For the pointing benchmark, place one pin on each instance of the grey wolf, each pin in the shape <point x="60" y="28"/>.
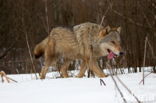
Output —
<point x="87" y="41"/>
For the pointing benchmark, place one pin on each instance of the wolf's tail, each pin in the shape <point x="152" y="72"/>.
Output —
<point x="40" y="48"/>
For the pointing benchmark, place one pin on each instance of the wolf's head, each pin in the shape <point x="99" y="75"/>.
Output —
<point x="110" y="42"/>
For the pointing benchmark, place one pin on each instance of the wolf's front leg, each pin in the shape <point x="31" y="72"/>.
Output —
<point x="95" y="68"/>
<point x="82" y="71"/>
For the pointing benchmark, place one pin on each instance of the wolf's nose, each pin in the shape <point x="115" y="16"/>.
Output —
<point x="121" y="53"/>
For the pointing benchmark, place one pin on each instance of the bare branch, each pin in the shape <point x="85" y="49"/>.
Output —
<point x="127" y="18"/>
<point x="47" y="18"/>
<point x="34" y="69"/>
<point x="109" y="67"/>
<point x="152" y="51"/>
<point x="102" y="82"/>
<point x="127" y="89"/>
<point x="147" y="20"/>
<point x="145" y="77"/>
<point x="116" y="85"/>
<point x="3" y="75"/>
<point x="7" y="50"/>
<point x="104" y="15"/>
<point x="29" y="50"/>
<point x="144" y="60"/>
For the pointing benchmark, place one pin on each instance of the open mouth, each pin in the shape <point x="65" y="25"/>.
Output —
<point x="111" y="55"/>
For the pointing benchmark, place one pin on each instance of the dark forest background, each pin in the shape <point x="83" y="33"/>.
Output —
<point x="24" y="23"/>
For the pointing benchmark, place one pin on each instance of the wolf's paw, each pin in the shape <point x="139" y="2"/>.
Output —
<point x="64" y="75"/>
<point x="79" y="76"/>
<point x="103" y="76"/>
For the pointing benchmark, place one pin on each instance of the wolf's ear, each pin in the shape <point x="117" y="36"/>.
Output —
<point x="119" y="29"/>
<point x="108" y="28"/>
<point x="102" y="33"/>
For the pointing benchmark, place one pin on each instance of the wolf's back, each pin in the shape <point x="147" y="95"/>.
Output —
<point x="63" y="40"/>
<point x="87" y="34"/>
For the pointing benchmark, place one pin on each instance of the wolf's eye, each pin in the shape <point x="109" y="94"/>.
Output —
<point x="113" y="42"/>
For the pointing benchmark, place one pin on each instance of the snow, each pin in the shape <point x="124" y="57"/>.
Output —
<point x="76" y="90"/>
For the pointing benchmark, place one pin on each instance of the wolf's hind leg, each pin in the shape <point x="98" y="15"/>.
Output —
<point x="45" y="68"/>
<point x="43" y="72"/>
<point x="49" y="59"/>
<point x="64" y="69"/>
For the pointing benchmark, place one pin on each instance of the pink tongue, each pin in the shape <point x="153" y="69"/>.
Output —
<point x="110" y="55"/>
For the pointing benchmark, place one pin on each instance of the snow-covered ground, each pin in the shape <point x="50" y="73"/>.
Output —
<point x="76" y="90"/>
